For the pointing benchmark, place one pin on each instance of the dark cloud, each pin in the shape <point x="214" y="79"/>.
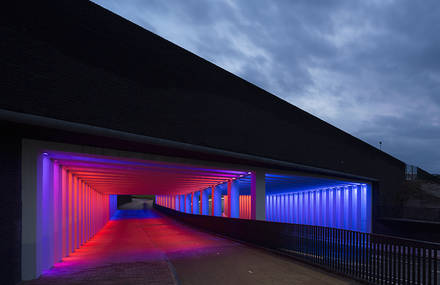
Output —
<point x="371" y="68"/>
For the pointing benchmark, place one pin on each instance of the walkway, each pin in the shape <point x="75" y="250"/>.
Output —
<point x="144" y="247"/>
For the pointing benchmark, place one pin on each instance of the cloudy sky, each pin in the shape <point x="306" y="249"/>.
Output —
<point x="371" y="68"/>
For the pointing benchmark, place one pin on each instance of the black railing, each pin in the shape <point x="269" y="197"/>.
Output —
<point x="373" y="258"/>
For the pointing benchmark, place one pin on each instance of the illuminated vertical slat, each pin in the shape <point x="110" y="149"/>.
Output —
<point x="63" y="212"/>
<point x="70" y="213"/>
<point x="241" y="207"/>
<point x="341" y="199"/>
<point x="349" y="214"/>
<point x="58" y="199"/>
<point x="324" y="212"/>
<point x="245" y="206"/>
<point x="78" y="213"/>
<point x="290" y="209"/>
<point x="277" y="208"/>
<point x="345" y="207"/>
<point x="226" y="203"/>
<point x="295" y="208"/>
<point x="90" y="213"/>
<point x="247" y="203"/>
<point x="333" y="208"/>
<point x="355" y="208"/>
<point x="44" y="230"/>
<point x="81" y="206"/>
<point x="282" y="207"/>
<point x="84" y="207"/>
<point x="272" y="208"/>
<point x="89" y="195"/>
<point x="95" y="211"/>
<point x="358" y="208"/>
<point x="312" y="208"/>
<point x="318" y="202"/>
<point x="86" y="212"/>
<point x="249" y="206"/>
<point x="75" y="213"/>
<point x="305" y="208"/>
<point x="80" y="218"/>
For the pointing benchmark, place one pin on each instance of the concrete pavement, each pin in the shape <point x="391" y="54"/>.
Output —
<point x="145" y="247"/>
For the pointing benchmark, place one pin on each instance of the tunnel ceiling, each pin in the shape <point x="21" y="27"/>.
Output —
<point x="111" y="175"/>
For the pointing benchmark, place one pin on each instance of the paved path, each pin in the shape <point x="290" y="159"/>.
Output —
<point x="145" y="247"/>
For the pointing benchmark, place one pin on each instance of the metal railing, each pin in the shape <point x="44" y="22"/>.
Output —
<point x="372" y="258"/>
<point x="377" y="259"/>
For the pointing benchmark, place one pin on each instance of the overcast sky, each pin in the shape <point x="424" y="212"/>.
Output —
<point x="371" y="68"/>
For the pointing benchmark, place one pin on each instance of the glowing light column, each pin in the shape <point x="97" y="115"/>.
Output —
<point x="204" y="202"/>
<point x="217" y="201"/>
<point x="195" y="202"/>
<point x="188" y="203"/>
<point x="233" y="199"/>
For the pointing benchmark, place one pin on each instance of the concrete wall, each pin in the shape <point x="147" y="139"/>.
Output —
<point x="10" y="210"/>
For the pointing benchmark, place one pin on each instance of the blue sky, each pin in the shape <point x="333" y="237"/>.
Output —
<point x="370" y="68"/>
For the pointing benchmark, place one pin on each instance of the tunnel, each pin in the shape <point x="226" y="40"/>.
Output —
<point x="307" y="200"/>
<point x="76" y="191"/>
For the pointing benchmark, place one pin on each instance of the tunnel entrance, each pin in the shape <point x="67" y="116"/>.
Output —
<point x="69" y="195"/>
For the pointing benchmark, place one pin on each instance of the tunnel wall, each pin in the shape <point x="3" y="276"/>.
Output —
<point x="244" y="206"/>
<point x="10" y="210"/>
<point x="342" y="207"/>
<point x="69" y="212"/>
